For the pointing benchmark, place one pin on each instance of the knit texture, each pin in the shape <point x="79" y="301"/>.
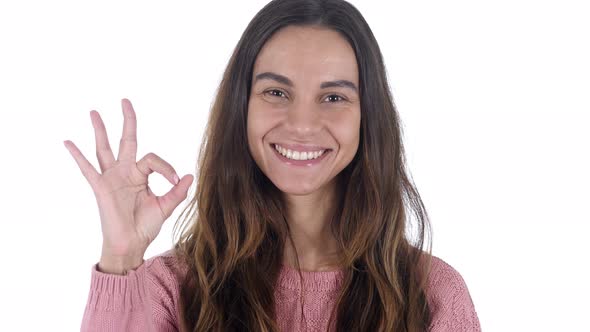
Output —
<point x="147" y="299"/>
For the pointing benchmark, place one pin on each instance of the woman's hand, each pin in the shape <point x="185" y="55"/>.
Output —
<point x="131" y="215"/>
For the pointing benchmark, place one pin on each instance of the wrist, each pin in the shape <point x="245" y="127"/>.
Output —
<point x="119" y="264"/>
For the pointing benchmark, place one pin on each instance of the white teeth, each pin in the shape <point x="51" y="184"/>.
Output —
<point x="296" y="155"/>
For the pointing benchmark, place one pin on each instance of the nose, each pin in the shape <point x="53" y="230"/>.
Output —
<point x="303" y="118"/>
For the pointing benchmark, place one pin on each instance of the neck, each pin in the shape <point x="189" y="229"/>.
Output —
<point x="309" y="218"/>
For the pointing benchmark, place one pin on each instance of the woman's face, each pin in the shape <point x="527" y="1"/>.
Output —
<point x="304" y="100"/>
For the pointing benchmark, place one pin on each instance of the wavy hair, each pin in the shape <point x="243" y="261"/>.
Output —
<point x="234" y="229"/>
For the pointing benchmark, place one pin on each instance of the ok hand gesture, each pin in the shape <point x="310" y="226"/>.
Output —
<point x="131" y="215"/>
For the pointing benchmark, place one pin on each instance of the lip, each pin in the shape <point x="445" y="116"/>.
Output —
<point x="308" y="163"/>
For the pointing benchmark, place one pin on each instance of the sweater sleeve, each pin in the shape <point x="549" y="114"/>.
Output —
<point x="145" y="299"/>
<point x="450" y="302"/>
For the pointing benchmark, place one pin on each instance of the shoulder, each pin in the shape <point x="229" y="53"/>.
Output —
<point x="166" y="265"/>
<point x="444" y="280"/>
<point x="163" y="276"/>
<point x="450" y="303"/>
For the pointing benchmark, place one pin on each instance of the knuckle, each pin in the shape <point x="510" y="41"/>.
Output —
<point x="150" y="156"/>
<point x="128" y="140"/>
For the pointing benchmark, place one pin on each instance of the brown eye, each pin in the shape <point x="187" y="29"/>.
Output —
<point x="334" y="98"/>
<point x="275" y="93"/>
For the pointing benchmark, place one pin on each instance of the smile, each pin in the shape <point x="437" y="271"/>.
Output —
<point x="298" y="155"/>
<point x="305" y="158"/>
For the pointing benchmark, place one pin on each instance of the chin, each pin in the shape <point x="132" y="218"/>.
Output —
<point x="296" y="188"/>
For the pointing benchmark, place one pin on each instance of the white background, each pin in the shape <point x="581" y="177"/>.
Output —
<point x="494" y="98"/>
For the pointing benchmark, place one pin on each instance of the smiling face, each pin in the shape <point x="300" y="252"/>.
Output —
<point x="304" y="101"/>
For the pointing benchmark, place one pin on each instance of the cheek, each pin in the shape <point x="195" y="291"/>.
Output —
<point x="255" y="124"/>
<point x="262" y="117"/>
<point x="347" y="130"/>
<point x="257" y="128"/>
<point x="251" y="131"/>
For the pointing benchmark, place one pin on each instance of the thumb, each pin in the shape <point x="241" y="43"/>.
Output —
<point x="174" y="196"/>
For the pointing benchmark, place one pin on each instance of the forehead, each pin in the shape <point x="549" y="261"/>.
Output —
<point x="300" y="52"/>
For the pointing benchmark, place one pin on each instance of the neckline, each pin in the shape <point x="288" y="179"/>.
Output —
<point x="290" y="269"/>
<point x="318" y="281"/>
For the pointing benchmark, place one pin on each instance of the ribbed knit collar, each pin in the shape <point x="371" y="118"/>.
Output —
<point x="322" y="281"/>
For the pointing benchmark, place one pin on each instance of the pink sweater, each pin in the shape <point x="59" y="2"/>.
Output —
<point x="146" y="299"/>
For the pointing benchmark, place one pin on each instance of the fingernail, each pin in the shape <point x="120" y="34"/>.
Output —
<point x="176" y="179"/>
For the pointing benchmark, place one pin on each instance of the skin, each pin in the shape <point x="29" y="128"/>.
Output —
<point x="305" y="113"/>
<point x="131" y="215"/>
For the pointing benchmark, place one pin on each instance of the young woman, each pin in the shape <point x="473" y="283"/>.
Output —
<point x="301" y="214"/>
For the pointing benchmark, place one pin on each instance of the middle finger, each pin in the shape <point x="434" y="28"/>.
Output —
<point x="103" y="149"/>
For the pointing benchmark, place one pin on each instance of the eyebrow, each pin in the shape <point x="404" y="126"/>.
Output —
<point x="285" y="80"/>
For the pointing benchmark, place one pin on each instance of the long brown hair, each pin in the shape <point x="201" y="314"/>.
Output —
<point x="234" y="229"/>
